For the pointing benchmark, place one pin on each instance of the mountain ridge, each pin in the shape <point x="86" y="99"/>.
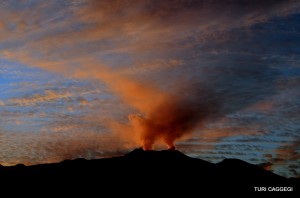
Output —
<point x="166" y="168"/>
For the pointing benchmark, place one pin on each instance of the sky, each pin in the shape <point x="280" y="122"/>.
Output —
<point x="97" y="78"/>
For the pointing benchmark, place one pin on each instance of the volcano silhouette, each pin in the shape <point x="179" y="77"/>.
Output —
<point x="164" y="169"/>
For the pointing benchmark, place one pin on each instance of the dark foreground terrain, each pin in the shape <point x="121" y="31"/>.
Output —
<point x="149" y="172"/>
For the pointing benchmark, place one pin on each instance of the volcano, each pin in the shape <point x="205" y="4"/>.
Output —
<point x="167" y="169"/>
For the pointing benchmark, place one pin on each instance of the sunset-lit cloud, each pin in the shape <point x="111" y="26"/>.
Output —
<point x="50" y="36"/>
<point x="221" y="77"/>
<point x="37" y="98"/>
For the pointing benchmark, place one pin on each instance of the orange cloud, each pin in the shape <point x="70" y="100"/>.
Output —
<point x="48" y="96"/>
<point x="138" y="28"/>
<point x="262" y="106"/>
<point x="216" y="134"/>
<point x="289" y="151"/>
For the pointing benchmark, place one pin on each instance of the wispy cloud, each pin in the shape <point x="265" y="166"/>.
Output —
<point x="48" y="96"/>
<point x="132" y="28"/>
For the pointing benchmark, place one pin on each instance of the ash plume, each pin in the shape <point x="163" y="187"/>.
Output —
<point x="162" y="116"/>
<point x="172" y="118"/>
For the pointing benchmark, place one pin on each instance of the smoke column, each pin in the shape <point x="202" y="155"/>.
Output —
<point x="170" y="119"/>
<point x="162" y="116"/>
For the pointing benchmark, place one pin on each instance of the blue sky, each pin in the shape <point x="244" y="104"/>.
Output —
<point x="71" y="72"/>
